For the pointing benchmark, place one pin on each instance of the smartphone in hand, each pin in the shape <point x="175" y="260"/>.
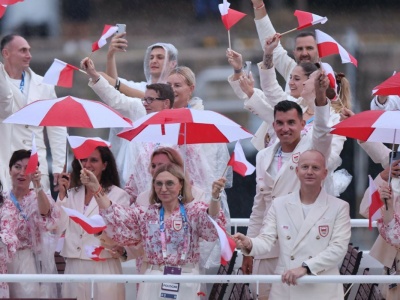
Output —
<point x="121" y="28"/>
<point x="247" y="68"/>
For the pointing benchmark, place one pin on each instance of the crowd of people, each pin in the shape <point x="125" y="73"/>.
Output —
<point x="159" y="202"/>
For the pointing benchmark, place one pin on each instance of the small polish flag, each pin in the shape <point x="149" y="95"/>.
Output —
<point x="306" y="19"/>
<point x="92" y="225"/>
<point x="227" y="243"/>
<point x="108" y="31"/>
<point x="60" y="74"/>
<point x="84" y="146"/>
<point x="239" y="162"/>
<point x="229" y="16"/>
<point x="375" y="203"/>
<point x="328" y="46"/>
<point x="2" y="10"/>
<point x="9" y="2"/>
<point x="34" y="159"/>
<point x="332" y="78"/>
<point x="93" y="252"/>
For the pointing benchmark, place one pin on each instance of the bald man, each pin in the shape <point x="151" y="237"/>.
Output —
<point x="312" y="229"/>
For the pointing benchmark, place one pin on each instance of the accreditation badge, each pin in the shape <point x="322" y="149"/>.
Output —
<point x="170" y="290"/>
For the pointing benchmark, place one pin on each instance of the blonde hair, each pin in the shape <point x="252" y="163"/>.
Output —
<point x="187" y="73"/>
<point x="344" y="94"/>
<point x="172" y="154"/>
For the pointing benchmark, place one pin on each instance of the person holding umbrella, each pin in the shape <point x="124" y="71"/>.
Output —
<point x="36" y="215"/>
<point x="19" y="86"/>
<point x="81" y="197"/>
<point x="170" y="228"/>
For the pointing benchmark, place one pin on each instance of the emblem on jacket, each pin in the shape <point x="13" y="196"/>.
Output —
<point x="177" y="224"/>
<point x="295" y="157"/>
<point x="323" y="230"/>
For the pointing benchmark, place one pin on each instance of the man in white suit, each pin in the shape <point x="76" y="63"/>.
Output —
<point x="312" y="229"/>
<point x="275" y="168"/>
<point x="19" y="86"/>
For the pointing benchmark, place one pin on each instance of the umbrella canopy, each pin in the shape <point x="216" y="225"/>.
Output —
<point x="69" y="112"/>
<point x="185" y="126"/>
<point x="371" y="125"/>
<point x="390" y="86"/>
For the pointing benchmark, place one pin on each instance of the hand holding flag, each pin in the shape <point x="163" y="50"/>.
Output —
<point x="93" y="252"/>
<point x="375" y="203"/>
<point x="34" y="159"/>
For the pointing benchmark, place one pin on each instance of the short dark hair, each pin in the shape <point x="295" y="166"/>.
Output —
<point x="164" y="91"/>
<point x="305" y="34"/>
<point x="109" y="176"/>
<point x="6" y="40"/>
<point x="308" y="68"/>
<point x="19" y="155"/>
<point x="286" y="105"/>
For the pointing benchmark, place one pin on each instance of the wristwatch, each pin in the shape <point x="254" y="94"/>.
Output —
<point x="304" y="265"/>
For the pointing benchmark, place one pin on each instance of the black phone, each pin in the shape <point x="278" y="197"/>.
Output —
<point x="394" y="155"/>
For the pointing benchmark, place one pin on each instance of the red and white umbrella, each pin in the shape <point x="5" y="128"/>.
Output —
<point x="390" y="86"/>
<point x="69" y="112"/>
<point x="371" y="125"/>
<point x="185" y="126"/>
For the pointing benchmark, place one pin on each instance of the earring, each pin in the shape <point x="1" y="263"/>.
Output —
<point x="180" y="197"/>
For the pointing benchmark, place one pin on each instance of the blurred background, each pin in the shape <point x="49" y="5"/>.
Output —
<point x="368" y="29"/>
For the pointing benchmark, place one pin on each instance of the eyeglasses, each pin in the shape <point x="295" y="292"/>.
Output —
<point x="150" y="100"/>
<point x="169" y="184"/>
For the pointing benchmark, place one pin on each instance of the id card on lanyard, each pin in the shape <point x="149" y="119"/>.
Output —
<point x="171" y="290"/>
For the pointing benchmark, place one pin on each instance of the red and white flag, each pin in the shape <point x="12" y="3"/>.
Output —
<point x="375" y="202"/>
<point x="229" y="16"/>
<point x="34" y="159"/>
<point x="92" y="225"/>
<point x="60" y="74"/>
<point x="332" y="78"/>
<point x="93" y="252"/>
<point x="328" y="46"/>
<point x="108" y="31"/>
<point x="84" y="146"/>
<point x="239" y="162"/>
<point x="2" y="10"/>
<point x="227" y="243"/>
<point x="9" y="2"/>
<point x="306" y="19"/>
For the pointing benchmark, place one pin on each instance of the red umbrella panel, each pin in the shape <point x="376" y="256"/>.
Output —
<point x="185" y="126"/>
<point x="69" y="112"/>
<point x="371" y="125"/>
<point x="390" y="86"/>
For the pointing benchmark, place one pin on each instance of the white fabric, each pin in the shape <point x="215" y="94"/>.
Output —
<point x="392" y="103"/>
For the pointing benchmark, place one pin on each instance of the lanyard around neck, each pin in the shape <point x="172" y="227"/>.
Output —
<point x="185" y="232"/>
<point x="22" y="84"/>
<point x="16" y="203"/>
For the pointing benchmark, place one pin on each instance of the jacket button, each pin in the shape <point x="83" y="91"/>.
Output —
<point x="291" y="167"/>
<point x="261" y="189"/>
<point x="292" y="257"/>
<point x="80" y="236"/>
<point x="273" y="197"/>
<point x="288" y="237"/>
<point x="26" y="126"/>
<point x="318" y="237"/>
<point x="79" y="248"/>
<point x="309" y="257"/>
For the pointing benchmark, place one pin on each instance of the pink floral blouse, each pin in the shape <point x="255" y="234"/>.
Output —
<point x="35" y="223"/>
<point x="130" y="226"/>
<point x="390" y="232"/>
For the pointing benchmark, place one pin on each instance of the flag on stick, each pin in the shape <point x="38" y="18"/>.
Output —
<point x="229" y="16"/>
<point x="375" y="202"/>
<point x="332" y="79"/>
<point x="108" y="31"/>
<point x="34" y="159"/>
<point x="228" y="245"/>
<point x="239" y="162"/>
<point x="306" y="19"/>
<point x="92" y="225"/>
<point x="328" y="46"/>
<point x="82" y="147"/>
<point x="60" y="74"/>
